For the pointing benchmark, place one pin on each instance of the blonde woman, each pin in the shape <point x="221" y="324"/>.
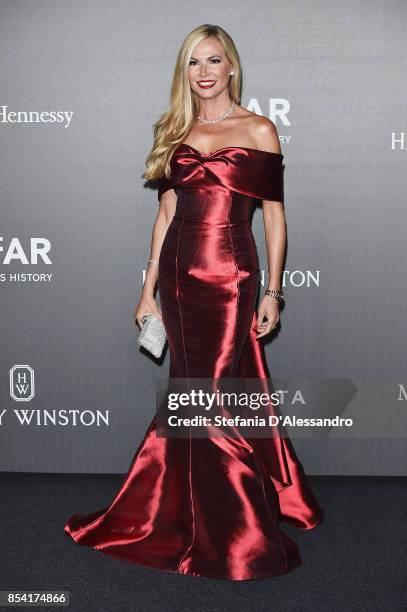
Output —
<point x="210" y="506"/>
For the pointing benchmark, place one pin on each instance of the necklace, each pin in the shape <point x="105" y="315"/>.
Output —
<point x="219" y="118"/>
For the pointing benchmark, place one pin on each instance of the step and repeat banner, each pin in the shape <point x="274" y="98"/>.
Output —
<point x="81" y="85"/>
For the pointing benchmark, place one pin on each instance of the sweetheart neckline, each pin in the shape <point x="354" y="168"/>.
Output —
<point x="185" y="144"/>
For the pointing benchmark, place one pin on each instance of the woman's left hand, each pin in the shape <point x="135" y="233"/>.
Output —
<point x="268" y="316"/>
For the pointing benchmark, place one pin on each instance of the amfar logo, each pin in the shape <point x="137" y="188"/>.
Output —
<point x="22" y="387"/>
<point x="37" y="253"/>
<point x="39" y="247"/>
<point x="278" y="107"/>
<point x="400" y="141"/>
<point x="35" y="116"/>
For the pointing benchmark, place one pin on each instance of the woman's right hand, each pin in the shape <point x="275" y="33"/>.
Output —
<point x="146" y="305"/>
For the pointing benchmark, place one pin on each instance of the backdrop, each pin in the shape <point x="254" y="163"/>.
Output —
<point x="81" y="85"/>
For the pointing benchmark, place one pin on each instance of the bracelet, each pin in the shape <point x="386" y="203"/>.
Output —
<point x="275" y="293"/>
<point x="154" y="261"/>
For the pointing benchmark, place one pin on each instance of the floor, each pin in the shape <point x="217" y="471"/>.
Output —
<point x="354" y="561"/>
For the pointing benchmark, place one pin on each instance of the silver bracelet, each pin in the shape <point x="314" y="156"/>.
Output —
<point x="154" y="261"/>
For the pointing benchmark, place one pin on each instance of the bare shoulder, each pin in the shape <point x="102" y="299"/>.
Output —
<point x="260" y="132"/>
<point x="266" y="135"/>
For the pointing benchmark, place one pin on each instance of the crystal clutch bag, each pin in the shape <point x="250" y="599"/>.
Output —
<point x="152" y="335"/>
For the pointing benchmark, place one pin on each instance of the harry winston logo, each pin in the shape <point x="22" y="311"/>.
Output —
<point x="22" y="388"/>
<point x="398" y="141"/>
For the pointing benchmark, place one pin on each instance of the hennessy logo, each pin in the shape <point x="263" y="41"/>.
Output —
<point x="35" y="116"/>
<point x="22" y="383"/>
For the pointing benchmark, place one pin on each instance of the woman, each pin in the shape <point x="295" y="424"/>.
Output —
<point x="210" y="506"/>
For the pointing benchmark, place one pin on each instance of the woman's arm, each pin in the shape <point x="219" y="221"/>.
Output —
<point x="275" y="232"/>
<point x="166" y="211"/>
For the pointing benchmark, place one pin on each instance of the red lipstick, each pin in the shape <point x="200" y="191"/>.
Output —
<point x="206" y="84"/>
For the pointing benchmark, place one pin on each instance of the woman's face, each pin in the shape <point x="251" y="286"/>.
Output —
<point x="209" y="68"/>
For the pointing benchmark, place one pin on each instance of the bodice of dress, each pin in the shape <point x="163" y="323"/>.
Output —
<point x="225" y="177"/>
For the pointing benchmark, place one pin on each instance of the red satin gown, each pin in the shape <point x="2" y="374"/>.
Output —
<point x="210" y="506"/>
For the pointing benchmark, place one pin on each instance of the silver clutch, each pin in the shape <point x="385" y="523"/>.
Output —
<point x="152" y="335"/>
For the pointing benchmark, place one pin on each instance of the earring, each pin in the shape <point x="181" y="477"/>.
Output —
<point x="232" y="73"/>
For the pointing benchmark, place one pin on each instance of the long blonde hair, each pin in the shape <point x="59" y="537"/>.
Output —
<point x="173" y="126"/>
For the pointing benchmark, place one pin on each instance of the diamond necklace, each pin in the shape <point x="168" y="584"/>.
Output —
<point x="219" y="118"/>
